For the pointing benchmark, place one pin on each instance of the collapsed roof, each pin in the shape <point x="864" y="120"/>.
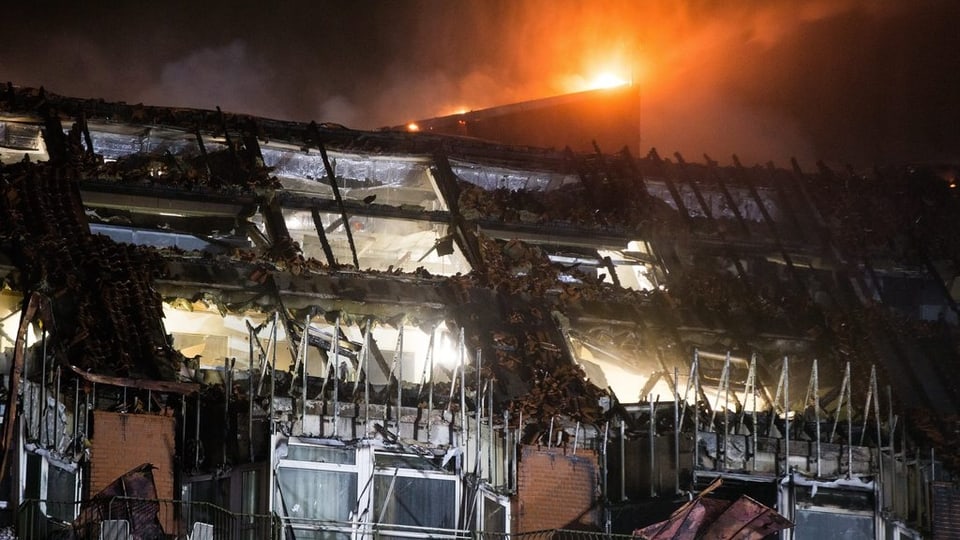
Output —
<point x="555" y="264"/>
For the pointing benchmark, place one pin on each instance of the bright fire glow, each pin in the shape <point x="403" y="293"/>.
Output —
<point x="606" y="79"/>
<point x="413" y="127"/>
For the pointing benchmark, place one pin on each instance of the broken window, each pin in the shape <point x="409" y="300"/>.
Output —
<point x="214" y="491"/>
<point x="490" y="178"/>
<point x="387" y="180"/>
<point x="16" y="136"/>
<point x="381" y="243"/>
<point x="414" y="497"/>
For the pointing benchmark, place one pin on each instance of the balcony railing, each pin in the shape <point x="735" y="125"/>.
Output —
<point x="125" y="518"/>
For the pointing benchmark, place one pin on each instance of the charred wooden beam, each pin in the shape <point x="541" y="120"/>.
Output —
<point x="332" y="177"/>
<point x="464" y="237"/>
<point x="768" y="219"/>
<point x="251" y="143"/>
<point x="16" y="371"/>
<point x="203" y="153"/>
<point x="277" y="230"/>
<point x="672" y="188"/>
<point x="786" y="201"/>
<point x="731" y="202"/>
<point x="142" y="384"/>
<point x="53" y="136"/>
<point x="322" y="234"/>
<point x="734" y="256"/>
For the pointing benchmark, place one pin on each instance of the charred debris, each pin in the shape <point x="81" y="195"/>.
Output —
<point x="252" y="276"/>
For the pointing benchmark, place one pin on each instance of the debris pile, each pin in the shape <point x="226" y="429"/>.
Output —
<point x="106" y="317"/>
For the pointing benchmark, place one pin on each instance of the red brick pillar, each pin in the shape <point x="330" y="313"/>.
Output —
<point x="556" y="489"/>
<point x="123" y="441"/>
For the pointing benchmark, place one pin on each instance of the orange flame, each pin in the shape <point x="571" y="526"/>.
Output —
<point x="606" y="79"/>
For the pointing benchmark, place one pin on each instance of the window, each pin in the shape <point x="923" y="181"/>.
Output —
<point x="317" y="494"/>
<point x="412" y="491"/>
<point x="415" y="501"/>
<point x="316" y="490"/>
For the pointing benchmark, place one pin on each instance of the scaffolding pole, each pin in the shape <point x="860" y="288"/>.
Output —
<point x="696" y="416"/>
<point x="398" y="367"/>
<point x="304" y="344"/>
<point x="366" y="376"/>
<point x="676" y="430"/>
<point x="335" y="360"/>
<point x="786" y="413"/>
<point x="814" y="388"/>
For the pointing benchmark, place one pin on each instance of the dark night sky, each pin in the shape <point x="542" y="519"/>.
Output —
<point x="847" y="81"/>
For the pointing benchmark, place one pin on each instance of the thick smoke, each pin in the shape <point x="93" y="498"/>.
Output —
<point x="843" y="80"/>
<point x="231" y="77"/>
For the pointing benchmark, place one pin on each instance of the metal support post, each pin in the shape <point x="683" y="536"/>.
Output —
<point x="623" y="460"/>
<point x="273" y="375"/>
<point x="696" y="416"/>
<point x="335" y="360"/>
<point x="676" y="430"/>
<point x="786" y="414"/>
<point x="366" y="377"/>
<point x="653" y="435"/>
<point x="398" y="360"/>
<point x="892" y="432"/>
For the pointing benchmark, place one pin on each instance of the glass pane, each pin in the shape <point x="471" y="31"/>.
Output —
<point x="832" y="526"/>
<point x="251" y="490"/>
<point x="381" y="242"/>
<point x="419" y="502"/>
<point x="494" y="516"/>
<point x="400" y="461"/>
<point x="322" y="454"/>
<point x="311" y="494"/>
<point x="315" y="534"/>
<point x="216" y="492"/>
<point x="61" y="493"/>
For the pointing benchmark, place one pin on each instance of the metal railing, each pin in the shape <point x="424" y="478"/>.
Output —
<point x="148" y="519"/>
<point x="557" y="534"/>
<point x="152" y="519"/>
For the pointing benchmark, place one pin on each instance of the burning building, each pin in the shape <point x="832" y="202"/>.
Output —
<point x="304" y="331"/>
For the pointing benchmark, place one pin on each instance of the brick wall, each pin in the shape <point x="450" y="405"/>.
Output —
<point x="556" y="489"/>
<point x="121" y="442"/>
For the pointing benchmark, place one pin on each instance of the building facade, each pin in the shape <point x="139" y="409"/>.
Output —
<point x="314" y="332"/>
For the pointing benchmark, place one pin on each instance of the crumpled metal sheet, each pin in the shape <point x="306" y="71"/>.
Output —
<point x="132" y="497"/>
<point x="746" y="518"/>
<point x="19" y="136"/>
<point x="491" y="178"/>
<point x="743" y="519"/>
<point x="374" y="171"/>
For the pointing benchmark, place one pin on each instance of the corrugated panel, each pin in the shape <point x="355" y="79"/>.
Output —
<point x="946" y="511"/>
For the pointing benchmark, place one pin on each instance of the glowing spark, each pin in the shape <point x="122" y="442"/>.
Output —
<point x="413" y="127"/>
